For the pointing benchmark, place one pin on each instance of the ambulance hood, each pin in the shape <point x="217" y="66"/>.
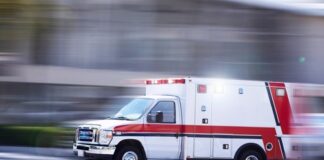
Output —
<point x="107" y="124"/>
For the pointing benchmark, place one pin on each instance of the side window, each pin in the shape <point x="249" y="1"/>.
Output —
<point x="162" y="112"/>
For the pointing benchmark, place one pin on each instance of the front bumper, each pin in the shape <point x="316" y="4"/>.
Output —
<point x="94" y="151"/>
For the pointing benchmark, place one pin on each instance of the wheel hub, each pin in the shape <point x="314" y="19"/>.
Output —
<point x="130" y="155"/>
<point x="251" y="157"/>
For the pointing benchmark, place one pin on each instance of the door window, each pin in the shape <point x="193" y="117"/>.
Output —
<point x="162" y="112"/>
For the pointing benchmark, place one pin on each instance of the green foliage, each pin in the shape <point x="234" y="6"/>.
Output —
<point x="35" y="136"/>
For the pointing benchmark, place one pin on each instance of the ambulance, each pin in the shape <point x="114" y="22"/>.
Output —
<point x="197" y="118"/>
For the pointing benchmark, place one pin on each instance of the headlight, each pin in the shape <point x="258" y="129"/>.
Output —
<point x="105" y="136"/>
<point x="76" y="135"/>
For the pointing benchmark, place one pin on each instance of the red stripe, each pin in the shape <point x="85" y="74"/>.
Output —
<point x="268" y="134"/>
<point x="282" y="106"/>
<point x="277" y="84"/>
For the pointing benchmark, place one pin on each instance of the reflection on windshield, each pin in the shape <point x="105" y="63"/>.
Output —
<point x="133" y="110"/>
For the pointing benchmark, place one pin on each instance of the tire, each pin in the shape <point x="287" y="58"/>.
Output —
<point x="129" y="151"/>
<point x="251" y="155"/>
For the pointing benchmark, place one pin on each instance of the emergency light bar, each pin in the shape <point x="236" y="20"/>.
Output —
<point x="165" y="81"/>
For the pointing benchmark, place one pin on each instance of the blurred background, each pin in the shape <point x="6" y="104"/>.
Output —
<point x="66" y="61"/>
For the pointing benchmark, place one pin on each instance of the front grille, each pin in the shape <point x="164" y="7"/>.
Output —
<point x="87" y="135"/>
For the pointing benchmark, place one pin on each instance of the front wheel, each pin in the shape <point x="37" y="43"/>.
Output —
<point x="129" y="153"/>
<point x="251" y="155"/>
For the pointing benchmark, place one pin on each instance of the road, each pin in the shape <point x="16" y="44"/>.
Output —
<point x="33" y="153"/>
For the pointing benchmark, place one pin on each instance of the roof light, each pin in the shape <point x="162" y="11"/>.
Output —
<point x="165" y="81"/>
<point x="162" y="81"/>
<point x="218" y="88"/>
<point x="179" y="81"/>
<point x="202" y="88"/>
<point x="148" y="82"/>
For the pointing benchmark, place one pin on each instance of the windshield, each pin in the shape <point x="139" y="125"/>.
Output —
<point x="134" y="109"/>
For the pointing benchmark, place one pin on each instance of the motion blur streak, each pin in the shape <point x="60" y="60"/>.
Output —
<point x="62" y="61"/>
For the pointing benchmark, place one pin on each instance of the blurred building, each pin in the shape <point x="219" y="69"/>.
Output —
<point x="70" y="51"/>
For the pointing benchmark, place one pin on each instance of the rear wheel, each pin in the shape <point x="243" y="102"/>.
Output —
<point x="129" y="153"/>
<point x="251" y="155"/>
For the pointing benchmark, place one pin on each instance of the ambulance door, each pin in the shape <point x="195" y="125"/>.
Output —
<point x="163" y="121"/>
<point x="203" y="135"/>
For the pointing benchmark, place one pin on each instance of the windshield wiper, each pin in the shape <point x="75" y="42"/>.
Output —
<point x="120" y="117"/>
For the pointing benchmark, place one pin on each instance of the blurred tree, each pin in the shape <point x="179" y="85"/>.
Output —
<point x="24" y="25"/>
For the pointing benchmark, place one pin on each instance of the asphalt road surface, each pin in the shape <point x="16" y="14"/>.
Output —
<point x="31" y="153"/>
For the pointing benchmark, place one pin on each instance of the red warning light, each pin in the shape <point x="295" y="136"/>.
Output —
<point x="148" y="82"/>
<point x="165" y="81"/>
<point x="202" y="88"/>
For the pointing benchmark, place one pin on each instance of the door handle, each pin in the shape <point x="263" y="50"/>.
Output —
<point x="177" y="135"/>
<point x="205" y="121"/>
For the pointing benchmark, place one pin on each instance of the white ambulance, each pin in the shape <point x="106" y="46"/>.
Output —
<point x="196" y="118"/>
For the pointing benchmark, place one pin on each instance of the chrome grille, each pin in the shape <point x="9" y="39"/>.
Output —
<point x="87" y="134"/>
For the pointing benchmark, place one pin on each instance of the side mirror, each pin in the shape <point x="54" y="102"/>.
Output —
<point x="155" y="118"/>
<point x="159" y="117"/>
